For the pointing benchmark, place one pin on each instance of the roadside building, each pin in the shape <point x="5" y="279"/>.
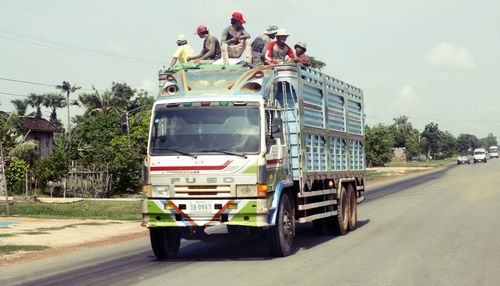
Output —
<point x="42" y="131"/>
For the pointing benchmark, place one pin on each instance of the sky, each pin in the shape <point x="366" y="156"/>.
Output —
<point x="431" y="60"/>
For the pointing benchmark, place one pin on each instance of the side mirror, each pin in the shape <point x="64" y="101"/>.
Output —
<point x="277" y="128"/>
<point x="124" y="124"/>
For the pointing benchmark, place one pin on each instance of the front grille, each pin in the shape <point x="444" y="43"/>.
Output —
<point x="203" y="191"/>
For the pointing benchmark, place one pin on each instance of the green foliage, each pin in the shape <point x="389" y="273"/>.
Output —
<point x="15" y="175"/>
<point x="431" y="135"/>
<point x="406" y="136"/>
<point x="317" y="64"/>
<point x="489" y="141"/>
<point x="21" y="106"/>
<point x="53" y="168"/>
<point x="379" y="142"/>
<point x="36" y="101"/>
<point x="100" y="142"/>
<point x="54" y="101"/>
<point x="467" y="143"/>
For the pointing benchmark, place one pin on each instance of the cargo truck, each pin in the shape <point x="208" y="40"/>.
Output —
<point x="258" y="149"/>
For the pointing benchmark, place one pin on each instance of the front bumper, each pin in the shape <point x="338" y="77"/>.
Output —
<point x="182" y="212"/>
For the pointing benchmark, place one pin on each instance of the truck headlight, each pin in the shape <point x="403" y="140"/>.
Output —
<point x="259" y="190"/>
<point x="160" y="192"/>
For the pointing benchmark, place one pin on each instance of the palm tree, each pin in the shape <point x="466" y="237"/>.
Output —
<point x="54" y="101"/>
<point x="401" y="123"/>
<point x="106" y="102"/>
<point x="68" y="89"/>
<point x="21" y="106"/>
<point x="36" y="101"/>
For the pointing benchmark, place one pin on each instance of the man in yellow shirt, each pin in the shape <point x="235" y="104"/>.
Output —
<point x="183" y="51"/>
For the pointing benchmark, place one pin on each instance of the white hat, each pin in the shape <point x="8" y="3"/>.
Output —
<point x="181" y="38"/>
<point x="301" y="44"/>
<point x="271" y="29"/>
<point x="282" y="32"/>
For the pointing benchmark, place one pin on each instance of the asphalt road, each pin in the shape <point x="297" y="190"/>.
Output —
<point x="439" y="229"/>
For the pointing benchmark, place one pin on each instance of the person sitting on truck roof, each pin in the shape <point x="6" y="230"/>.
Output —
<point x="277" y="51"/>
<point x="300" y="53"/>
<point x="260" y="43"/>
<point x="235" y="40"/>
<point x="211" y="48"/>
<point x="183" y="51"/>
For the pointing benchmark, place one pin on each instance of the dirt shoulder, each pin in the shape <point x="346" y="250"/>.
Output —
<point x="26" y="239"/>
<point x="386" y="174"/>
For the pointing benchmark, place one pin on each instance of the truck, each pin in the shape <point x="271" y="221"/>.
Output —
<point x="258" y="149"/>
<point x="493" y="152"/>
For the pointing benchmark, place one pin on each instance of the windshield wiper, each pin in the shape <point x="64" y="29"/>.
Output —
<point x="225" y="152"/>
<point x="176" y="151"/>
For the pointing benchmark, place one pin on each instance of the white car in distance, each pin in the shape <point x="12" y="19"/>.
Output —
<point x="479" y="155"/>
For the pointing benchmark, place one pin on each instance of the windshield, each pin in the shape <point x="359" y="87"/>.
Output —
<point x="493" y="149"/>
<point x="478" y="153"/>
<point x="190" y="131"/>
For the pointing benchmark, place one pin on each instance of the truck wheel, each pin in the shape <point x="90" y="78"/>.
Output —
<point x="341" y="220"/>
<point x="280" y="237"/>
<point x="165" y="241"/>
<point x="353" y="207"/>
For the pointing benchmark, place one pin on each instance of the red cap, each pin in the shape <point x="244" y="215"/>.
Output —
<point x="201" y="28"/>
<point x="238" y="16"/>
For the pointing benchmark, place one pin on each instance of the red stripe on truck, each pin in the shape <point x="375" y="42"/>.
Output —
<point x="191" y="168"/>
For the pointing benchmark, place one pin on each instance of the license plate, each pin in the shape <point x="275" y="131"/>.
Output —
<point x="201" y="206"/>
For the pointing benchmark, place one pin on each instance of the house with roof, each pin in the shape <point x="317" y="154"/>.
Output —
<point x="42" y="131"/>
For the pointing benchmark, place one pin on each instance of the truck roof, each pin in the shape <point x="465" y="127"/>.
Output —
<point x="237" y="80"/>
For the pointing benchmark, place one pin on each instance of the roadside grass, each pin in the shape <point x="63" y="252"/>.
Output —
<point x="372" y="175"/>
<point x="113" y="210"/>
<point x="12" y="248"/>
<point x="433" y="163"/>
<point x="7" y="234"/>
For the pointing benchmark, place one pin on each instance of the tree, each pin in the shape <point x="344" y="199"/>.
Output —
<point x="98" y="130"/>
<point x="447" y="144"/>
<point x="15" y="175"/>
<point x="406" y="136"/>
<point x="489" y="141"/>
<point x="379" y="142"/>
<point x="431" y="135"/>
<point x="54" y="101"/>
<point x="317" y="64"/>
<point x="11" y="144"/>
<point x="21" y="106"/>
<point x="467" y="143"/>
<point x="36" y="101"/>
<point x="67" y="88"/>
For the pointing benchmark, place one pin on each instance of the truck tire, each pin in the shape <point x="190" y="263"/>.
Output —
<point x="341" y="220"/>
<point x="165" y="241"/>
<point x="353" y="207"/>
<point x="280" y="236"/>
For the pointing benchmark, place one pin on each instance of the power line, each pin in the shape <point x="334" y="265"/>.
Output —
<point x="62" y="46"/>
<point x="14" y="94"/>
<point x="38" y="83"/>
<point x="28" y="82"/>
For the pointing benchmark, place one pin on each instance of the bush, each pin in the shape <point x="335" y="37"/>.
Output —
<point x="15" y="175"/>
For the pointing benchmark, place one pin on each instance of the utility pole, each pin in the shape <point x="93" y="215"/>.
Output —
<point x="69" y="119"/>
<point x="4" y="181"/>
